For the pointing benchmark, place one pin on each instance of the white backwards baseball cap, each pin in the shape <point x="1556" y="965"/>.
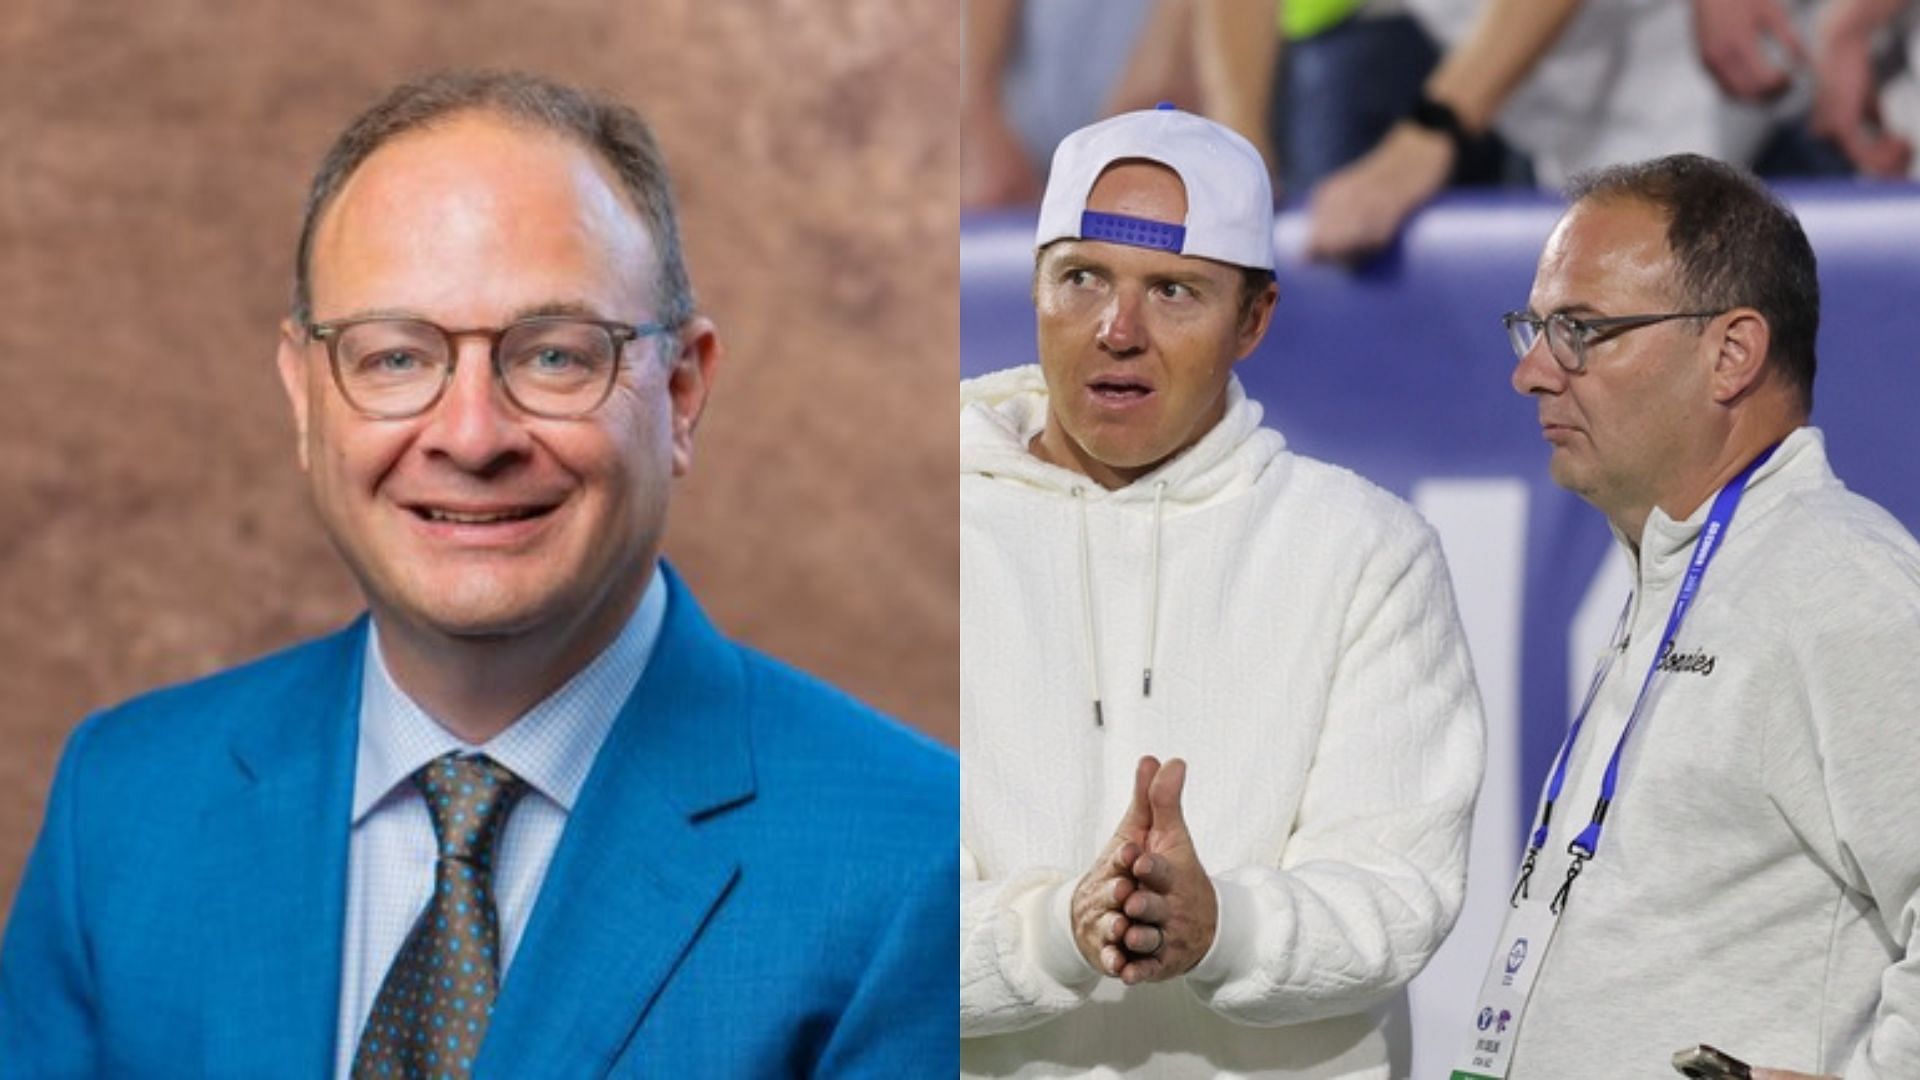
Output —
<point x="1229" y="199"/>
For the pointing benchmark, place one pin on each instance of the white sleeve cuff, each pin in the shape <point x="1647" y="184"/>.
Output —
<point x="1047" y="915"/>
<point x="1233" y="937"/>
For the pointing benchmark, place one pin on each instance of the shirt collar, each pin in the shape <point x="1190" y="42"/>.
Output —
<point x="1666" y="545"/>
<point x="551" y="747"/>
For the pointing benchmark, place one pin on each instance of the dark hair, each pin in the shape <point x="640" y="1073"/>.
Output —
<point x="612" y="130"/>
<point x="1735" y="245"/>
<point x="1253" y="283"/>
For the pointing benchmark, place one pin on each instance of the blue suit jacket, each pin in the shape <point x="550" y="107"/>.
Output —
<point x="758" y="879"/>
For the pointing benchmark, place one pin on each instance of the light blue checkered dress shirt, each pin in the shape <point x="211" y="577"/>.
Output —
<point x="391" y="850"/>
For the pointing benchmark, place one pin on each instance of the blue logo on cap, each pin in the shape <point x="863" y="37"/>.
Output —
<point x="1139" y="232"/>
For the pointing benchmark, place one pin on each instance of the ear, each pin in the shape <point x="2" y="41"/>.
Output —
<point x="294" y="372"/>
<point x="1253" y="325"/>
<point x="1741" y="353"/>
<point x="688" y="383"/>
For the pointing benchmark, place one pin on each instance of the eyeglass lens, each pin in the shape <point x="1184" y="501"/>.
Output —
<point x="1562" y="338"/>
<point x="397" y="367"/>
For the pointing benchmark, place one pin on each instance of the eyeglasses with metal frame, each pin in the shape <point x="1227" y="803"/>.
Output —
<point x="551" y="366"/>
<point x="1568" y="337"/>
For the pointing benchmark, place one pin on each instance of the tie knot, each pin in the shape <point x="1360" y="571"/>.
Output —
<point x="469" y="798"/>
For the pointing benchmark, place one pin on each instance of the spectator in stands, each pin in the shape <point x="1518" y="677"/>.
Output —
<point x="1573" y="86"/>
<point x="1147" y="573"/>
<point x="1035" y="71"/>
<point x="1724" y="852"/>
<point x="1847" y="106"/>
<point x="1349" y="71"/>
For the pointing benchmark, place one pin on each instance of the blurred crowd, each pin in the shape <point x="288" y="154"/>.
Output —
<point x="1366" y="109"/>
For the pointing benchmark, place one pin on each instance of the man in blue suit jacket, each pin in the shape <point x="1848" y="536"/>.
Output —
<point x="683" y="859"/>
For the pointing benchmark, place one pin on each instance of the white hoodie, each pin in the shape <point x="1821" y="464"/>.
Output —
<point x="1305" y="658"/>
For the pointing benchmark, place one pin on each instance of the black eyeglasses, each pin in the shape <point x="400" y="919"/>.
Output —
<point x="559" y="367"/>
<point x="1568" y="337"/>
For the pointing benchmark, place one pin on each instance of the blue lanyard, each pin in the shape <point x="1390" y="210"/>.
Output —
<point x="1712" y="536"/>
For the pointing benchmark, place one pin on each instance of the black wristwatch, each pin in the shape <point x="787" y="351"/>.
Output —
<point x="1434" y="116"/>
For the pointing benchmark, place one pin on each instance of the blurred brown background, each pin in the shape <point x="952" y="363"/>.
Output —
<point x="153" y="158"/>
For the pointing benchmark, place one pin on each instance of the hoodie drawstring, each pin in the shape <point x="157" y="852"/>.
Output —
<point x="1086" y="608"/>
<point x="1153" y="593"/>
<point x="1092" y="633"/>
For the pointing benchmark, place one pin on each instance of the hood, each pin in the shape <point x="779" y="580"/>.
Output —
<point x="1001" y="413"/>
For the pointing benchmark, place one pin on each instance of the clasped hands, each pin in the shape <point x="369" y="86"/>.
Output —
<point x="1147" y="910"/>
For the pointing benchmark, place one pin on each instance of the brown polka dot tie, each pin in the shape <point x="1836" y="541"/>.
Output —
<point x="432" y="1010"/>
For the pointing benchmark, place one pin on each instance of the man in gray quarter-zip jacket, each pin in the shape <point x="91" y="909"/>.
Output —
<point x="1220" y="738"/>
<point x="1754" y="883"/>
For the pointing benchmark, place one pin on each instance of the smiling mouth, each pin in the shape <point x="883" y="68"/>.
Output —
<point x="478" y="517"/>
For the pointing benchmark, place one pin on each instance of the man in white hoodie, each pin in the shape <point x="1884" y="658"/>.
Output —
<point x="1725" y="852"/>
<point x="1148" y="573"/>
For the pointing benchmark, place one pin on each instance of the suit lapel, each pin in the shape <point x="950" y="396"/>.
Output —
<point x="272" y="857"/>
<point x="634" y="880"/>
